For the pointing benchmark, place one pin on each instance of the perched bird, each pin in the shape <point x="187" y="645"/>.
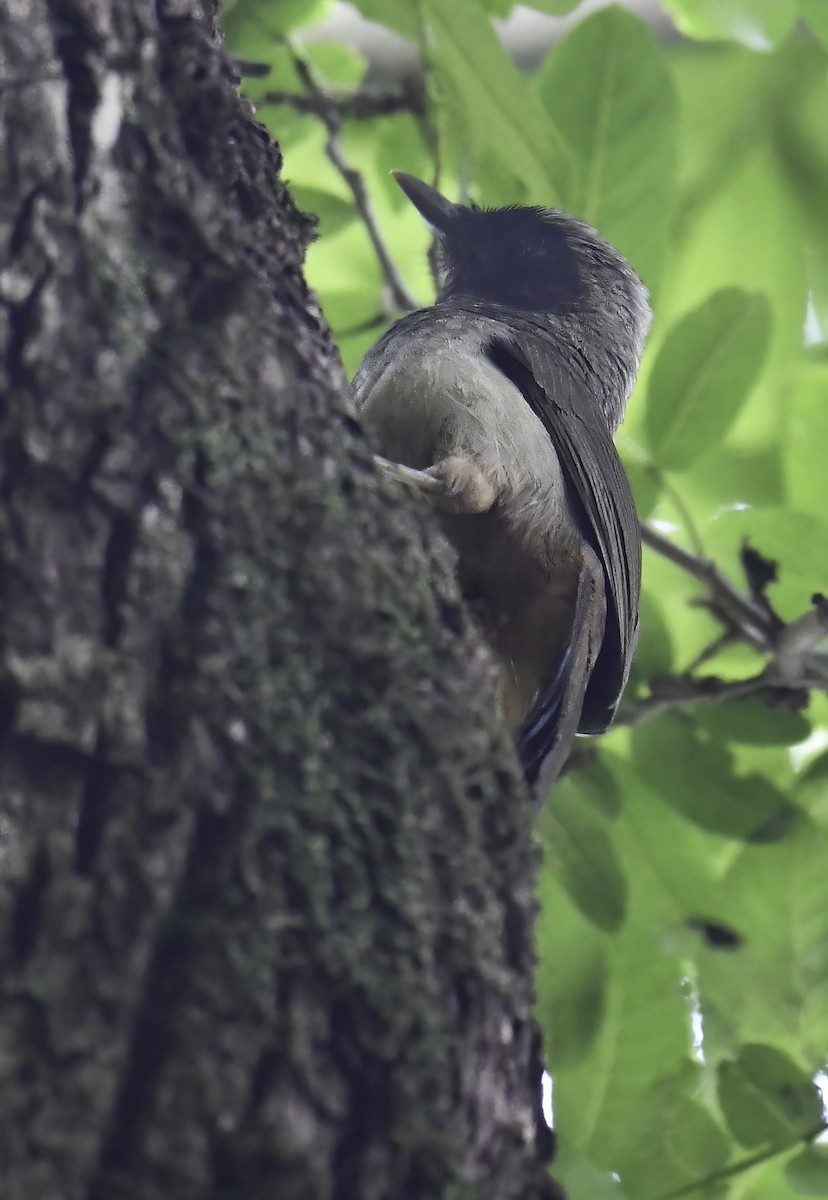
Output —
<point x="500" y="401"/>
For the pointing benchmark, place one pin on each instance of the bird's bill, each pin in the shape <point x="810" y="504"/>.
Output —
<point x="433" y="207"/>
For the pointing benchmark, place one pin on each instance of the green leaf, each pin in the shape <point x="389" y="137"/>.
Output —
<point x="766" y="1099"/>
<point x="394" y="143"/>
<point x="654" y="656"/>
<point x="333" y="211"/>
<point x="579" y="850"/>
<point x="775" y="989"/>
<point x="335" y="66"/>
<point x="758" y="24"/>
<point x="807" y="435"/>
<point x="812" y="789"/>
<point x="490" y="100"/>
<point x="274" y="16"/>
<point x="608" y="88"/>
<point x="609" y="1106"/>
<point x="703" y="375"/>
<point x="807" y="1173"/>
<point x="399" y="15"/>
<point x="796" y="542"/>
<point x="593" y="786"/>
<point x="686" y="1143"/>
<point x="672" y="864"/>
<point x="498" y="8"/>
<point x="571" y="977"/>
<point x="815" y="13"/>
<point x="249" y="38"/>
<point x="730" y="476"/>
<point x="555" y="8"/>
<point x="697" y="777"/>
<point x="645" y="483"/>
<point x="581" y="1177"/>
<point x="613" y="1103"/>
<point x="753" y="723"/>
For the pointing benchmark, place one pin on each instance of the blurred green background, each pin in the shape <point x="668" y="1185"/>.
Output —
<point x="683" y="980"/>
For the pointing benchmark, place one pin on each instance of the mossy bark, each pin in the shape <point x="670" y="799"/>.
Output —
<point x="266" y="865"/>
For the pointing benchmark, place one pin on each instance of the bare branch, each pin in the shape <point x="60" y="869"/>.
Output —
<point x="248" y="68"/>
<point x="795" y="662"/>
<point x="681" y="690"/>
<point x="354" y="106"/>
<point x="332" y="119"/>
<point x="737" y="610"/>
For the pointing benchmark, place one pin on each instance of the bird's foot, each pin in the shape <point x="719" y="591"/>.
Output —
<point x="455" y="484"/>
<point x="421" y="481"/>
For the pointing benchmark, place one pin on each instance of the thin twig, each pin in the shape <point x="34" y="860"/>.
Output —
<point x="795" y="664"/>
<point x="249" y="68"/>
<point x="680" y="691"/>
<point x="331" y="118"/>
<point x="378" y="320"/>
<point x="353" y="106"/>
<point x="739" y="610"/>
<point x="716" y="646"/>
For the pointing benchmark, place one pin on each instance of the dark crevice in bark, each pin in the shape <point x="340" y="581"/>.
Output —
<point x="21" y="229"/>
<point x="369" y="1109"/>
<point x="28" y="907"/>
<point x="154" y="1037"/>
<point x="75" y="42"/>
<point x="9" y="695"/>
<point x="163" y="719"/>
<point x="263" y="1075"/>
<point x="99" y="442"/>
<point x="13" y="457"/>
<point x="115" y="574"/>
<point x="22" y="324"/>
<point x="196" y="520"/>
<point x="93" y="811"/>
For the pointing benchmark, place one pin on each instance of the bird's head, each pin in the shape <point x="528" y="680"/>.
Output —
<point x="535" y="260"/>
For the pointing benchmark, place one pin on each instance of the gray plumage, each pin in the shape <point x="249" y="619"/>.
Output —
<point x="504" y="395"/>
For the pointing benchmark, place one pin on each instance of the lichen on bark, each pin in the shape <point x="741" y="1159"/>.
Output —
<point x="267" y="860"/>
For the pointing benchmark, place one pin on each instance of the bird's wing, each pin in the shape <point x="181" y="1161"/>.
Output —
<point x="600" y="495"/>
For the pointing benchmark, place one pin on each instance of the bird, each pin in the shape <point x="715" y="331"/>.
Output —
<point x="499" y="402"/>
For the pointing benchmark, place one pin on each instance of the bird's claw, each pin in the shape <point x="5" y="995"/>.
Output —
<point x="455" y="484"/>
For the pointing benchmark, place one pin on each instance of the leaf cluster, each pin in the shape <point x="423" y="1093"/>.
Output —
<point x="683" y="984"/>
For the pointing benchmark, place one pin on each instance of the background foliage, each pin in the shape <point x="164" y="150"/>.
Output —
<point x="683" y="983"/>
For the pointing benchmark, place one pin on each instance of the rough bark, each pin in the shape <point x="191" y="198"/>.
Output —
<point x="266" y="862"/>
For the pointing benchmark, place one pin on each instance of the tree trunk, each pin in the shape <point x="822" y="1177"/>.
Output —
<point x="266" y="865"/>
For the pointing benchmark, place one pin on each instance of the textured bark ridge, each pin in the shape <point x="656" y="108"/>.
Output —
<point x="265" y="860"/>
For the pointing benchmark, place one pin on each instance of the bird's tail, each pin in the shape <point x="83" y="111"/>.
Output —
<point x="548" y="732"/>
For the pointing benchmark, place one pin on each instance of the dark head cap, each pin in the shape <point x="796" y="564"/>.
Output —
<point x="521" y="257"/>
